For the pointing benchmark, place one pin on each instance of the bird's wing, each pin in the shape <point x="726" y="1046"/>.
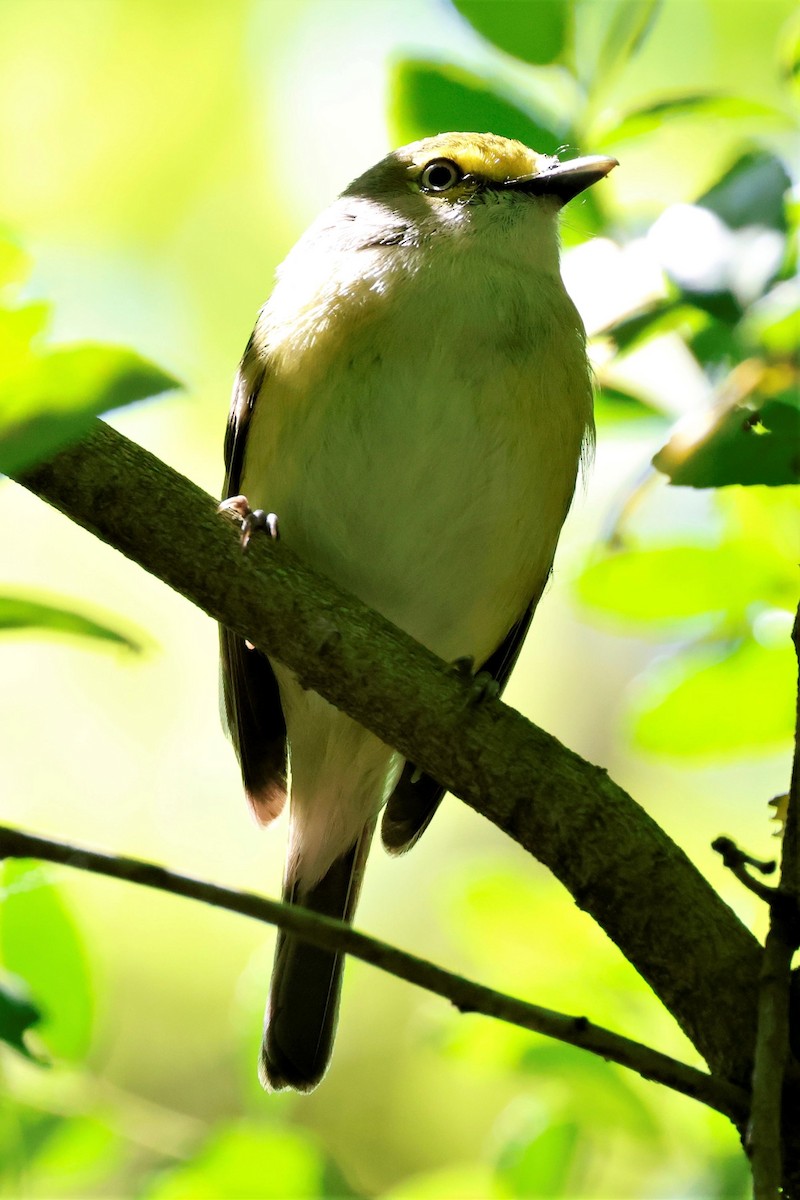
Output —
<point x="417" y="796"/>
<point x="250" y="691"/>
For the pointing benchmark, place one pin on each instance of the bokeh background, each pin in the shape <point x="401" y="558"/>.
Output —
<point x="158" y="161"/>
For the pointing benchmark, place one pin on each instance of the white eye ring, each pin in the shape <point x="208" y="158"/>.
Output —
<point x="440" y="175"/>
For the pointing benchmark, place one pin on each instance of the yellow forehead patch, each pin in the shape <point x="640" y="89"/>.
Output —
<point x="495" y="158"/>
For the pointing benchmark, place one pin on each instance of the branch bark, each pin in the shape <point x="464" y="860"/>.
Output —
<point x="617" y="863"/>
<point x="772" y="1133"/>
<point x="329" y="934"/>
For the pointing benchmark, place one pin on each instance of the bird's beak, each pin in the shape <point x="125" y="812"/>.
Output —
<point x="564" y="180"/>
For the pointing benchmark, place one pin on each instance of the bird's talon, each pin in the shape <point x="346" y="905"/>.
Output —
<point x="251" y="519"/>
<point x="484" y="687"/>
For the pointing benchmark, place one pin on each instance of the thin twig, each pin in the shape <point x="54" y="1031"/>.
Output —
<point x="465" y="995"/>
<point x="768" y="1128"/>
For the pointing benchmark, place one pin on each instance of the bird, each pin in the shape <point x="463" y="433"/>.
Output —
<point x="414" y="404"/>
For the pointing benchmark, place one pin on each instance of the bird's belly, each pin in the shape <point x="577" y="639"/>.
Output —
<point x="431" y="485"/>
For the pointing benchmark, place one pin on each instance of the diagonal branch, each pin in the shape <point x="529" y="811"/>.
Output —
<point x="329" y="934"/>
<point x="617" y="863"/>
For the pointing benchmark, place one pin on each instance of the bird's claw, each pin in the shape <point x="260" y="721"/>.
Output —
<point x="482" y="685"/>
<point x="252" y="519"/>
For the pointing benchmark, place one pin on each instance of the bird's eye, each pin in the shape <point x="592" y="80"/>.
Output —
<point x="439" y="175"/>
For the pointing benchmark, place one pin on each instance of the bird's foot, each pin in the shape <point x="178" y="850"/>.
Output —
<point x="482" y="685"/>
<point x="252" y="519"/>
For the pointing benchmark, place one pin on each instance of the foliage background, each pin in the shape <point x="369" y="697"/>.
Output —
<point x="158" y="162"/>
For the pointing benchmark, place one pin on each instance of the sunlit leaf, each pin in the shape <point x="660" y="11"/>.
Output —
<point x="614" y="405"/>
<point x="773" y="322"/>
<point x="18" y="329"/>
<point x="18" y="612"/>
<point x="468" y="1181"/>
<point x="259" y="1162"/>
<point x="540" y="1165"/>
<point x="49" y="400"/>
<point x="669" y="585"/>
<point x="617" y="128"/>
<point x="533" y="30"/>
<point x="14" y="262"/>
<point x="709" y="704"/>
<point x="616" y="1097"/>
<point x="654" y="319"/>
<point x="74" y="1160"/>
<point x="21" y="613"/>
<point x="40" y="942"/>
<point x="751" y="192"/>
<point x="747" y="443"/>
<point x="630" y="23"/>
<point x="18" y="1014"/>
<point x="429" y="98"/>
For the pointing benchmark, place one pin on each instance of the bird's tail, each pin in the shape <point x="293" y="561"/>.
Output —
<point x="304" y="993"/>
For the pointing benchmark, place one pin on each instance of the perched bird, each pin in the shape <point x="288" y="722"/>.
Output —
<point x="413" y="404"/>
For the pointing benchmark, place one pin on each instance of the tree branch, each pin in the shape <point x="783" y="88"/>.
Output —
<point x="329" y="934"/>
<point x="617" y="863"/>
<point x="770" y="1123"/>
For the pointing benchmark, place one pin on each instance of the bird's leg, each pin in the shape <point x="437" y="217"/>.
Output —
<point x="482" y="685"/>
<point x="251" y="519"/>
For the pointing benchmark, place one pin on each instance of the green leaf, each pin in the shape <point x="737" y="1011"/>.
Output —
<point x="751" y="192"/>
<point x="614" y="405"/>
<point x="467" y="1181"/>
<point x="75" y="1160"/>
<point x="14" y="262"/>
<point x="19" y="327"/>
<point x="658" y="317"/>
<point x="429" y="98"/>
<point x="630" y="23"/>
<point x="707" y="704"/>
<point x="747" y="443"/>
<point x="641" y="121"/>
<point x="40" y="943"/>
<point x="669" y="585"/>
<point x="48" y="401"/>
<point x="259" y="1162"/>
<point x="772" y="324"/>
<point x="540" y="1165"/>
<point x="534" y="30"/>
<point x="17" y="612"/>
<point x="18" y="1014"/>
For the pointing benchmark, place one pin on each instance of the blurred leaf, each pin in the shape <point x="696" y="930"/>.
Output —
<point x="74" y="1161"/>
<point x="541" y="1165"/>
<point x="721" y="306"/>
<point x="644" y="120"/>
<point x="616" y="1098"/>
<point x="246" y="1160"/>
<point x="669" y="585"/>
<point x="468" y="1181"/>
<point x="40" y="942"/>
<point x="17" y="612"/>
<point x="48" y="401"/>
<point x="747" y="443"/>
<point x="704" y="704"/>
<point x="18" y="328"/>
<point x="773" y="322"/>
<point x="654" y="319"/>
<point x="789" y="50"/>
<point x="751" y="192"/>
<point x="614" y="404"/>
<point x="533" y="30"/>
<point x="18" y="1014"/>
<point x="14" y="262"/>
<point x="429" y="98"/>
<point x="716" y="346"/>
<point x="630" y="23"/>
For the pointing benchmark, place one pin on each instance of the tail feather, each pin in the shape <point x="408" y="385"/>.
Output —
<point x="306" y="982"/>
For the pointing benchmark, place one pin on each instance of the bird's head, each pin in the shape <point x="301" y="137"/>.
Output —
<point x="471" y="169"/>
